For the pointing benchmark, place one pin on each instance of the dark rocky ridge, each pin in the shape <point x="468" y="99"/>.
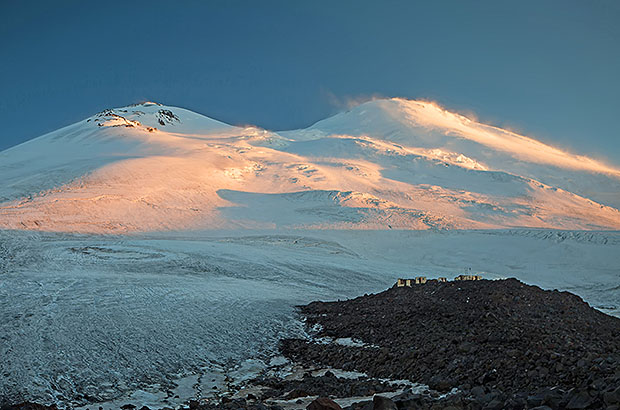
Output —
<point x="502" y="343"/>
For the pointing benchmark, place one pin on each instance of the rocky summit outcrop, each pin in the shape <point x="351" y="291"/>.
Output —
<point x="502" y="344"/>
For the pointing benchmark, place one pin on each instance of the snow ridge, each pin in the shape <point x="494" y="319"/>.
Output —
<point x="386" y="164"/>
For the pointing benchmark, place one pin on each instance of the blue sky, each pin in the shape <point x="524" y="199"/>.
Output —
<point x="549" y="69"/>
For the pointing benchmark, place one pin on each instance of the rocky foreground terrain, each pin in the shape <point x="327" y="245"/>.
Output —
<point x="472" y="344"/>
<point x="502" y="344"/>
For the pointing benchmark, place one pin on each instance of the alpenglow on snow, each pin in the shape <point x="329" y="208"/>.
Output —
<point x="385" y="164"/>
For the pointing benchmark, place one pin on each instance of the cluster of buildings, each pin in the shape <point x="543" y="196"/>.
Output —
<point x="419" y="280"/>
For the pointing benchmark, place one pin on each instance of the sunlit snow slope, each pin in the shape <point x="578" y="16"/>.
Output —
<point x="386" y="164"/>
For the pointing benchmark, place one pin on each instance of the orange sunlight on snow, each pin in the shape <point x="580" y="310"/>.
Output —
<point x="202" y="174"/>
<point x="431" y="115"/>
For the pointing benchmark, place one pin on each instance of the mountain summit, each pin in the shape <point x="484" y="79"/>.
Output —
<point x="385" y="164"/>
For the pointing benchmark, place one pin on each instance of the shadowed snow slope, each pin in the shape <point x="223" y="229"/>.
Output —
<point x="385" y="164"/>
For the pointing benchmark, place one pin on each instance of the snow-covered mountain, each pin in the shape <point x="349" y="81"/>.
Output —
<point x="130" y="318"/>
<point x="385" y="164"/>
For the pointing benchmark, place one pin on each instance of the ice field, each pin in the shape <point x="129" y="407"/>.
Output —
<point x="91" y="318"/>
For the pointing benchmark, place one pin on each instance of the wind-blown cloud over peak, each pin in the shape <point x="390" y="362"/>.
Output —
<point x="397" y="119"/>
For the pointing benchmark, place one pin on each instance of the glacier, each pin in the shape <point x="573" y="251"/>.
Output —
<point x="91" y="318"/>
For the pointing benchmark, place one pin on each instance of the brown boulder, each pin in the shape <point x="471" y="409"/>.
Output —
<point x="383" y="403"/>
<point x="323" y="403"/>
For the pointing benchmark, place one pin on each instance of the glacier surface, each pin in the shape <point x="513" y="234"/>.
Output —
<point x="94" y="318"/>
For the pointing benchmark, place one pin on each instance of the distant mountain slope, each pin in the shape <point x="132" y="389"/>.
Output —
<point x="386" y="164"/>
<point x="426" y="125"/>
